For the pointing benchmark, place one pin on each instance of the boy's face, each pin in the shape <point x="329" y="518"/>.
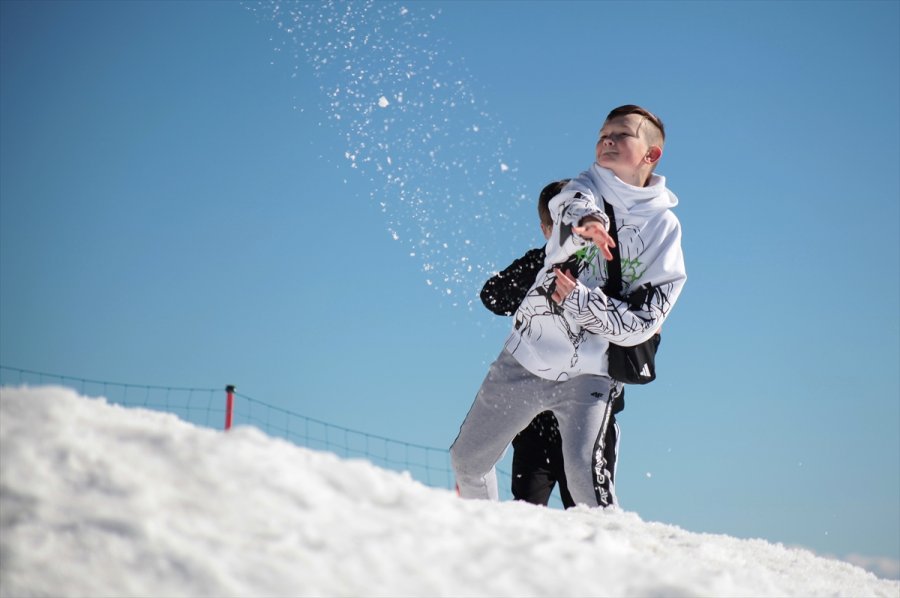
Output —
<point x="623" y="148"/>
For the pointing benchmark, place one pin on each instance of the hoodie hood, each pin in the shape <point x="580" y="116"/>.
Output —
<point x="631" y="200"/>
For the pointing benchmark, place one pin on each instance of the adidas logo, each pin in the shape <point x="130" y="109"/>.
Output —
<point x="645" y="371"/>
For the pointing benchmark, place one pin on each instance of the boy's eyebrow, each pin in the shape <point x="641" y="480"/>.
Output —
<point x="621" y="126"/>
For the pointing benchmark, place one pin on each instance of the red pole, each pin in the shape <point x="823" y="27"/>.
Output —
<point x="229" y="405"/>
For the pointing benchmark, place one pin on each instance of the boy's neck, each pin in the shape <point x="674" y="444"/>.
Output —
<point x="641" y="178"/>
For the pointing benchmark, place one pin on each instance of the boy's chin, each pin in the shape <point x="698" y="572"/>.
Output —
<point x="610" y="166"/>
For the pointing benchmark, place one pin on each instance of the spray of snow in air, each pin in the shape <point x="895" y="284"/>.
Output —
<point x="418" y="141"/>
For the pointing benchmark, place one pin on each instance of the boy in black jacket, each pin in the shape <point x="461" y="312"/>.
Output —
<point x="537" y="450"/>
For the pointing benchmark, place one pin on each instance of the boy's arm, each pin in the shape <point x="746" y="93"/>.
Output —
<point x="615" y="319"/>
<point x="503" y="292"/>
<point x="577" y="223"/>
<point x="595" y="231"/>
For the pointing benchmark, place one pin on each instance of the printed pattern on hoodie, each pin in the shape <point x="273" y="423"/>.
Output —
<point x="556" y="341"/>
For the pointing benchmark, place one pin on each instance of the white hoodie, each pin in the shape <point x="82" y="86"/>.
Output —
<point x="558" y="342"/>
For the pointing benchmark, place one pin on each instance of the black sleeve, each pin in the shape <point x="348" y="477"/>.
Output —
<point x="503" y="292"/>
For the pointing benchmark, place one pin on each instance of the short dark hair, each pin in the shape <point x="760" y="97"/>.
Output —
<point x="548" y="193"/>
<point x="635" y="109"/>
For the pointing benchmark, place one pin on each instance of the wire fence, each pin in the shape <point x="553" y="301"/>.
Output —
<point x="200" y="406"/>
<point x="207" y="407"/>
<point x="429" y="465"/>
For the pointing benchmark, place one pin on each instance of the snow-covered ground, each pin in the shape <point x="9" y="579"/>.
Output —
<point x="102" y="500"/>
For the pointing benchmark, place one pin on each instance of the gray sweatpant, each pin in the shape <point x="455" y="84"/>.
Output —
<point x="507" y="401"/>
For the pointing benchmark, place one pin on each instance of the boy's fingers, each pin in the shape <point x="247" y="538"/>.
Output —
<point x="565" y="282"/>
<point x="605" y="237"/>
<point x="595" y="233"/>
<point x="563" y="274"/>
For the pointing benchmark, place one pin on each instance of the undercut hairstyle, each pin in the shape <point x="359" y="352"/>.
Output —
<point x="657" y="137"/>
<point x="548" y="193"/>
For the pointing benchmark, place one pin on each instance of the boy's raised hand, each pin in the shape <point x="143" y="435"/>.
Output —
<point x="594" y="231"/>
<point x="565" y="282"/>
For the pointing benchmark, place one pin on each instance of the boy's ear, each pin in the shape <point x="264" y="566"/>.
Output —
<point x="546" y="230"/>
<point x="654" y="154"/>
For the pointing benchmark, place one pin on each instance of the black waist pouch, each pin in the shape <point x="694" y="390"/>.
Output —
<point x="634" y="365"/>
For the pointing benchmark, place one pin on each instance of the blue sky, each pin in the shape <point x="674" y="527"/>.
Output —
<point x="304" y="201"/>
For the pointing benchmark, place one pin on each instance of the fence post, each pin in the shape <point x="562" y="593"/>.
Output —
<point x="229" y="405"/>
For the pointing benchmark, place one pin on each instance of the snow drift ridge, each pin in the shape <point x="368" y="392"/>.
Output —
<point x="103" y="500"/>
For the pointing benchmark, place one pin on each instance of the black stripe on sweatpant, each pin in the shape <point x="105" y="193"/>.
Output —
<point x="602" y="478"/>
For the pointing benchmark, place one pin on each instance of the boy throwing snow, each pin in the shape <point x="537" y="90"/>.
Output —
<point x="555" y="357"/>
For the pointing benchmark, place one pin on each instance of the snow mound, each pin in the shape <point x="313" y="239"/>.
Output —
<point x="103" y="500"/>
